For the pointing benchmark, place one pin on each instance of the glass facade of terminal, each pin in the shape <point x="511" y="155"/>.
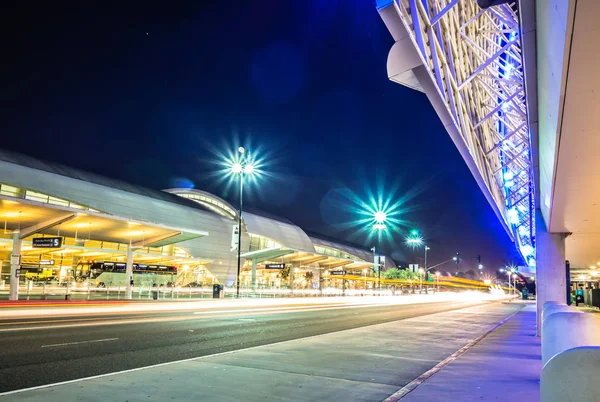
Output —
<point x="16" y="192"/>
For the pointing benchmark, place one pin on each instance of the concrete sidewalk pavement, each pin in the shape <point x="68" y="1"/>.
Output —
<point x="503" y="366"/>
<point x="364" y="364"/>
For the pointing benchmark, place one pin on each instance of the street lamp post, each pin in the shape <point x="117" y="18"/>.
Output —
<point x="437" y="276"/>
<point x="379" y="217"/>
<point x="376" y="265"/>
<point x="421" y="270"/>
<point x="241" y="168"/>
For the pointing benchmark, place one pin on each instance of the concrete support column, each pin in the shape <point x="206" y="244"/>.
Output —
<point x="14" y="280"/>
<point x="254" y="276"/>
<point x="550" y="267"/>
<point x="129" y="271"/>
<point x="320" y="282"/>
<point x="76" y="258"/>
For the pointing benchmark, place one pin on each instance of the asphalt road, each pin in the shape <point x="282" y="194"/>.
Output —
<point x="47" y="350"/>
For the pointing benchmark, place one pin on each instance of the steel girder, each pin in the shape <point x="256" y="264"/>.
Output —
<point x="473" y="57"/>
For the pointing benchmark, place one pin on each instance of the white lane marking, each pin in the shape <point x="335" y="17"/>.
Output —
<point x="254" y="310"/>
<point x="79" y="343"/>
<point x="17" y="391"/>
<point x="179" y="318"/>
<point x="402" y="392"/>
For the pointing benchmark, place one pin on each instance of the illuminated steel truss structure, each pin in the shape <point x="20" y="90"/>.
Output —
<point x="473" y="56"/>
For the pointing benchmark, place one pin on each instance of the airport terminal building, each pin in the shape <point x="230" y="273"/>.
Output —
<point x="188" y="234"/>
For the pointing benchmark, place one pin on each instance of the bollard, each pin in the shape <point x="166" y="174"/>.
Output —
<point x="571" y="376"/>
<point x="553" y="307"/>
<point x="566" y="330"/>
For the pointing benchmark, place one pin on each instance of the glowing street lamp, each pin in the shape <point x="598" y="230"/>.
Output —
<point x="380" y="216"/>
<point x="415" y="240"/>
<point x="242" y="167"/>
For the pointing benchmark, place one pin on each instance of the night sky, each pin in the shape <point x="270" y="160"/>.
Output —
<point x="152" y="93"/>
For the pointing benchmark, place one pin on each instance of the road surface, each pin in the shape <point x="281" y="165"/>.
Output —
<point x="37" y="351"/>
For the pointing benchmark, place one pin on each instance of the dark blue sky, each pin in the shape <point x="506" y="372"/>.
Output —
<point x="147" y="92"/>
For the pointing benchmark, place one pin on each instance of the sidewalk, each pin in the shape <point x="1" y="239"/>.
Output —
<point x="363" y="364"/>
<point x="504" y="366"/>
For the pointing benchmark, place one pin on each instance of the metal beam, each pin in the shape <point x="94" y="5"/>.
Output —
<point x="338" y="264"/>
<point x="31" y="230"/>
<point x="270" y="257"/>
<point x="309" y="260"/>
<point x="150" y="240"/>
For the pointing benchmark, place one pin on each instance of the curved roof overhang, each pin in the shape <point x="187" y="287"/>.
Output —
<point x="208" y="200"/>
<point x="28" y="217"/>
<point x="288" y="235"/>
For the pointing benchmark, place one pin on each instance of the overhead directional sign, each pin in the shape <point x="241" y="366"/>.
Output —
<point x="46" y="242"/>
<point x="338" y="272"/>
<point x="275" y="266"/>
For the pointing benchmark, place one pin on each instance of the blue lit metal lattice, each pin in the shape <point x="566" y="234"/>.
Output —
<point x="473" y="56"/>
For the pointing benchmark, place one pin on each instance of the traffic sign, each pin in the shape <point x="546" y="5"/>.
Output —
<point x="47" y="242"/>
<point x="275" y="266"/>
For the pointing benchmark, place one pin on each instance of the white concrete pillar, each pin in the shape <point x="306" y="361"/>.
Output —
<point x="253" y="276"/>
<point x="16" y="258"/>
<point x="550" y="276"/>
<point x="129" y="271"/>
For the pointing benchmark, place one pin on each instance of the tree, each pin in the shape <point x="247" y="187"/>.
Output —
<point x="405" y="274"/>
<point x="285" y="272"/>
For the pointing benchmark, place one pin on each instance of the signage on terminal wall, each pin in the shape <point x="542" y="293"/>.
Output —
<point x="275" y="266"/>
<point x="46" y="262"/>
<point x="338" y="272"/>
<point x="15" y="259"/>
<point x="46" y="242"/>
<point x="235" y="237"/>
